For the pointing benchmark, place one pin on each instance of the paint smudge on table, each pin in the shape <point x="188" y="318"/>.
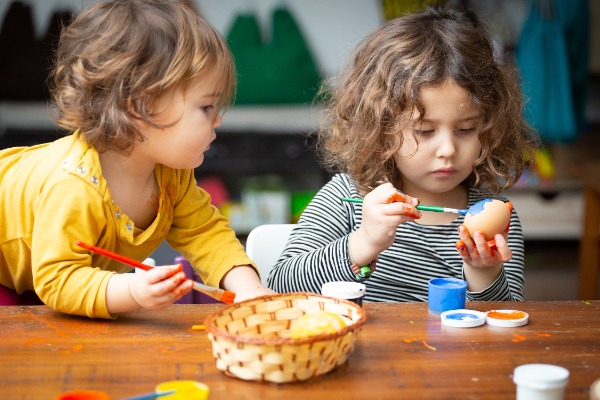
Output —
<point x="423" y="341"/>
<point x="518" y="338"/>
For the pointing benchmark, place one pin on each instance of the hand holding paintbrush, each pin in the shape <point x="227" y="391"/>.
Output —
<point x="216" y="293"/>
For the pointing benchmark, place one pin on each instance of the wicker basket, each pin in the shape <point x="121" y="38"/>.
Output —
<point x="251" y="339"/>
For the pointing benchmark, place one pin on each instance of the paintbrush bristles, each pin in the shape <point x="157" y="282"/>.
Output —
<point x="227" y="297"/>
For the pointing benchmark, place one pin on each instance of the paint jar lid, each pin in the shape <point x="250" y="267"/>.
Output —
<point x="507" y="318"/>
<point x="463" y="318"/>
<point x="184" y="390"/>
<point x="83" y="395"/>
<point x="343" y="290"/>
<point x="541" y="376"/>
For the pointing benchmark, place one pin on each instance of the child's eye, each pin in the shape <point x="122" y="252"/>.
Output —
<point x="466" y="130"/>
<point x="424" y="131"/>
<point x="207" y="108"/>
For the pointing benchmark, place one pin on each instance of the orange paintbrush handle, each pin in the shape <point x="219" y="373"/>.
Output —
<point x="114" y="256"/>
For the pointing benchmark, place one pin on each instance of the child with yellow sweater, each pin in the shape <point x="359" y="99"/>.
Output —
<point x="141" y="85"/>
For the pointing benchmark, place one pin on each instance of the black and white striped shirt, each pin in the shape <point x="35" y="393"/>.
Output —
<point x="317" y="252"/>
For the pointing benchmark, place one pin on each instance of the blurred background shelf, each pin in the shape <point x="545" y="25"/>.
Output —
<point x="32" y="116"/>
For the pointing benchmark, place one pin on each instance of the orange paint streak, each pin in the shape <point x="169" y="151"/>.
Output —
<point x="428" y="346"/>
<point x="507" y="315"/>
<point x="519" y="338"/>
<point x="423" y="341"/>
<point x="544" y="334"/>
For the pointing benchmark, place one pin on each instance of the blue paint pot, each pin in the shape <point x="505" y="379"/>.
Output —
<point x="446" y="294"/>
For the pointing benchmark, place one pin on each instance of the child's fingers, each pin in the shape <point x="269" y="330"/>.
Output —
<point x="504" y="252"/>
<point x="465" y="237"/>
<point x="161" y="273"/>
<point x="404" y="209"/>
<point x="463" y="251"/>
<point x="398" y="197"/>
<point x="181" y="290"/>
<point x="468" y="247"/>
<point x="169" y="284"/>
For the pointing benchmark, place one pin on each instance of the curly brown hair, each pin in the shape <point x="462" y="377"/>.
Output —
<point x="118" y="56"/>
<point x="380" y="91"/>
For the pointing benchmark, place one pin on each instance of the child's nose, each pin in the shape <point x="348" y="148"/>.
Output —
<point x="447" y="145"/>
<point x="217" y="122"/>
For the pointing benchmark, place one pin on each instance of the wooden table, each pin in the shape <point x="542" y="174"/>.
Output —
<point x="401" y="352"/>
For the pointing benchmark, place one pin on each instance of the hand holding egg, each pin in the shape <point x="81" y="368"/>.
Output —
<point x="489" y="217"/>
<point x="479" y="244"/>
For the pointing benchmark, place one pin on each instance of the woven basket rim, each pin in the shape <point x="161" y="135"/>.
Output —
<point x="222" y="334"/>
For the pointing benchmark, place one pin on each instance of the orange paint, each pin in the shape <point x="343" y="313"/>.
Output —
<point x="428" y="346"/>
<point x="507" y="315"/>
<point x="411" y="340"/>
<point x="519" y="338"/>
<point x="396" y="197"/>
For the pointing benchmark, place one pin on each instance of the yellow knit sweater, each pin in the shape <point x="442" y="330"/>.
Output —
<point x="54" y="194"/>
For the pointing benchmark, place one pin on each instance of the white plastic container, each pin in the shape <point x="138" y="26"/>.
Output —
<point x="540" y="382"/>
<point x="353" y="291"/>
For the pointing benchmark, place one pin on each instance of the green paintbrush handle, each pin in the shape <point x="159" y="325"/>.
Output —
<point x="419" y="207"/>
<point x="430" y="208"/>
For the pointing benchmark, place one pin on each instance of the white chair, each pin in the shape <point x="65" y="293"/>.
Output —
<point x="265" y="244"/>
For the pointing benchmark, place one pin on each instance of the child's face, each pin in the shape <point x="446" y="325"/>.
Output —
<point x="448" y="142"/>
<point x="182" y="145"/>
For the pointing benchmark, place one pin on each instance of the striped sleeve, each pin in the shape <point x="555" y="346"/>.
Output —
<point x="317" y="250"/>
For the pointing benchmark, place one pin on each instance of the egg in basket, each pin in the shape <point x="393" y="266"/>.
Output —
<point x="284" y="337"/>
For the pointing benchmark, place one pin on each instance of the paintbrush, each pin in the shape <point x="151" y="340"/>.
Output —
<point x="216" y="293"/>
<point x="419" y="207"/>
<point x="150" y="396"/>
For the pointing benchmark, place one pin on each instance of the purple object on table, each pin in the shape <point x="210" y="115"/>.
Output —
<point x="193" y="297"/>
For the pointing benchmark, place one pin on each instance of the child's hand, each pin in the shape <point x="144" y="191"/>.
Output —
<point x="245" y="283"/>
<point x="252" y="292"/>
<point x="477" y="252"/>
<point x="383" y="210"/>
<point x="159" y="287"/>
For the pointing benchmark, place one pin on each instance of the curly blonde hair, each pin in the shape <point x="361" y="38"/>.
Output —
<point x="380" y="90"/>
<point x="118" y="56"/>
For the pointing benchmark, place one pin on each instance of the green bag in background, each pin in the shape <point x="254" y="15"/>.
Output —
<point x="280" y="71"/>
